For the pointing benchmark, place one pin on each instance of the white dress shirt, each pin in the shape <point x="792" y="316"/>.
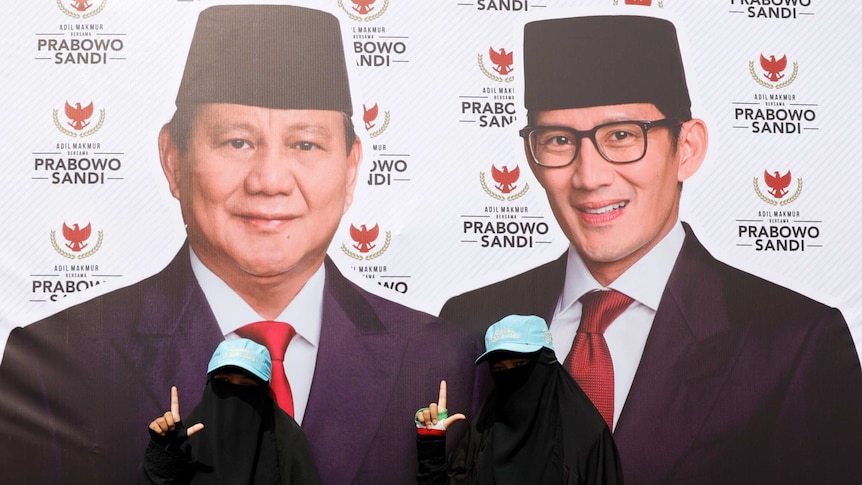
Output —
<point x="304" y="313"/>
<point x="627" y="335"/>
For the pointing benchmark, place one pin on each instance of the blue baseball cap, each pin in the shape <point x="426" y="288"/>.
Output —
<point x="245" y="354"/>
<point x="523" y="334"/>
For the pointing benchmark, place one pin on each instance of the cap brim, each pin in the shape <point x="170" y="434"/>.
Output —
<point x="233" y="363"/>
<point x="235" y="369"/>
<point x="509" y="348"/>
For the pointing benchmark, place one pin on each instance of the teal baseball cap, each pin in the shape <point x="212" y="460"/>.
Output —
<point x="245" y="354"/>
<point x="523" y="334"/>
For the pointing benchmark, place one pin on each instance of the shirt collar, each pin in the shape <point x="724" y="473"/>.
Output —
<point x="644" y="281"/>
<point x="304" y="313"/>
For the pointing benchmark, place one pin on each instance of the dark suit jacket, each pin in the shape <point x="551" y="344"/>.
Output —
<point x="741" y="380"/>
<point x="78" y="389"/>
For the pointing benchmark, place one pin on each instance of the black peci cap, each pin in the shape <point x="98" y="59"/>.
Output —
<point x="603" y="60"/>
<point x="272" y="56"/>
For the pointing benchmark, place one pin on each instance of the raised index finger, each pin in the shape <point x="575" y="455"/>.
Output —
<point x="441" y="399"/>
<point x="175" y="403"/>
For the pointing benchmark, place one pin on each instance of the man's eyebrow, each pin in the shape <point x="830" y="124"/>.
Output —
<point x="610" y="118"/>
<point x="310" y="128"/>
<point x="221" y="126"/>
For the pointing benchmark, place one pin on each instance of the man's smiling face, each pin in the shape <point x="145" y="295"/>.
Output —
<point x="262" y="190"/>
<point x="613" y="214"/>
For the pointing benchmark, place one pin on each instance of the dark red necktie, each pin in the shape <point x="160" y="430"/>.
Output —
<point x="275" y="336"/>
<point x="589" y="361"/>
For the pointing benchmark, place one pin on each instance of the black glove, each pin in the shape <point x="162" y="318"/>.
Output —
<point x="172" y="440"/>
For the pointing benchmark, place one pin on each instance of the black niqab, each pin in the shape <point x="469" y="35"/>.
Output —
<point x="238" y="444"/>
<point x="543" y="429"/>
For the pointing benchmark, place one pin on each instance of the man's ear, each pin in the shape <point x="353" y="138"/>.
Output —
<point x="354" y="159"/>
<point x="691" y="148"/>
<point x="169" y="155"/>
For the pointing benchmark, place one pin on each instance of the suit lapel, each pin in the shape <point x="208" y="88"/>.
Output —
<point x="686" y="361"/>
<point x="353" y="379"/>
<point x="553" y="278"/>
<point x="174" y="335"/>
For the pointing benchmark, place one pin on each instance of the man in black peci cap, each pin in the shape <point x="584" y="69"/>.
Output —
<point x="706" y="374"/>
<point x="262" y="157"/>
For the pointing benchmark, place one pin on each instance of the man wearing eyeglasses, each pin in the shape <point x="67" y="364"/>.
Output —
<point x="706" y="374"/>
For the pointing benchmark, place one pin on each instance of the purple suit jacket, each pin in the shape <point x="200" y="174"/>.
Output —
<point x="740" y="381"/>
<point x="78" y="389"/>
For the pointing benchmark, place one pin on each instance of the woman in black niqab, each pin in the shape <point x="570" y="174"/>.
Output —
<point x="239" y="430"/>
<point x="246" y="439"/>
<point x="543" y="427"/>
<point x="535" y="427"/>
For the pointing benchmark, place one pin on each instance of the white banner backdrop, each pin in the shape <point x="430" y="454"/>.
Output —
<point x="436" y="120"/>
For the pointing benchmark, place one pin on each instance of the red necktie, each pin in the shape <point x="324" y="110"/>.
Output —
<point x="275" y="336"/>
<point x="589" y="361"/>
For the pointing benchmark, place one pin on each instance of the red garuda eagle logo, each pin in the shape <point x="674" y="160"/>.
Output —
<point x="505" y="179"/>
<point x="777" y="183"/>
<point x="773" y="67"/>
<point x="502" y="61"/>
<point x="81" y="5"/>
<point x="369" y="115"/>
<point x="364" y="237"/>
<point x="76" y="236"/>
<point x="79" y="115"/>
<point x="363" y="7"/>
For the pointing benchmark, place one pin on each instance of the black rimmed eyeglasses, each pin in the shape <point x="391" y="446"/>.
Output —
<point x="617" y="142"/>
